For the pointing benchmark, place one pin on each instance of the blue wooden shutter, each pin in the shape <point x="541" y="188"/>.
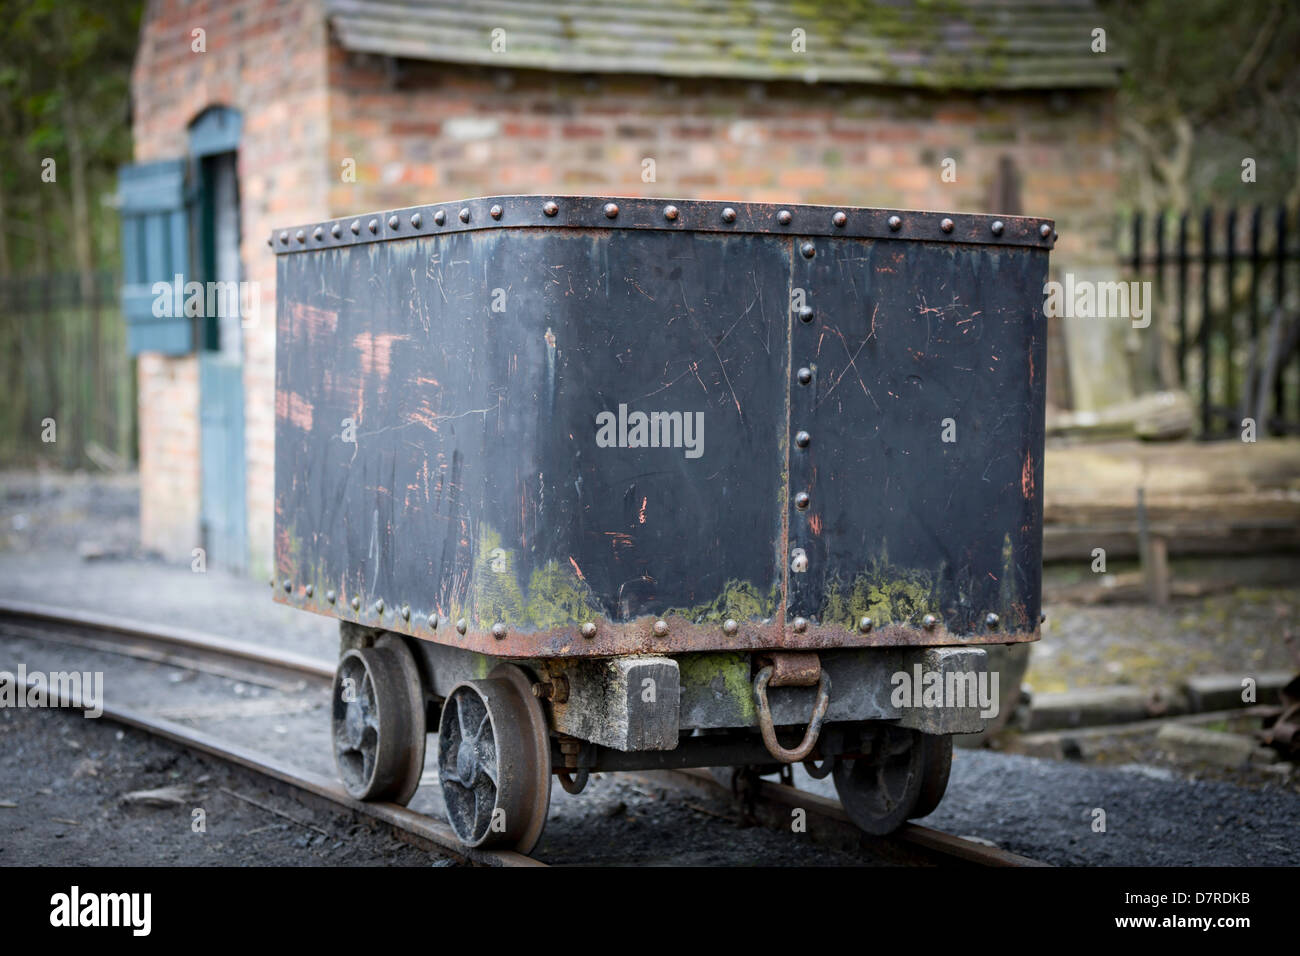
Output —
<point x="155" y="248"/>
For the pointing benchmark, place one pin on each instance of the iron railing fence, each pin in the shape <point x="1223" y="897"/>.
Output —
<point x="1225" y="279"/>
<point x="63" y="360"/>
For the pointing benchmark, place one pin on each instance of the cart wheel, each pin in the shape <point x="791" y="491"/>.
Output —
<point x="879" y="792"/>
<point x="378" y="722"/>
<point x="935" y="768"/>
<point x="494" y="761"/>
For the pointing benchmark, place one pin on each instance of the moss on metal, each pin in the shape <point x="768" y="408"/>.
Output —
<point x="1009" y="598"/>
<point x="884" y="593"/>
<point x="724" y="674"/>
<point x="497" y="595"/>
<point x="741" y="600"/>
<point x="482" y="665"/>
<point x="557" y="597"/>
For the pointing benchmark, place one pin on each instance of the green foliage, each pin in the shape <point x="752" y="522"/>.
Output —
<point x="65" y="68"/>
<point x="1208" y="83"/>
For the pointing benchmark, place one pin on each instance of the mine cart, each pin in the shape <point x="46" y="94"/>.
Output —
<point x="601" y="484"/>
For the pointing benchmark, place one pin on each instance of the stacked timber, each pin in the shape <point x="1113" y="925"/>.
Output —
<point x="1160" y="416"/>
<point x="1227" y="497"/>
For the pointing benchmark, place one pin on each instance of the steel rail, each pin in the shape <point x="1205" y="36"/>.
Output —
<point x="827" y="821"/>
<point x="161" y="642"/>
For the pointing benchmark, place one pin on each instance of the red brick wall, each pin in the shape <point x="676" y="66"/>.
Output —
<point x="267" y="61"/>
<point x="169" y="454"/>
<point x="449" y="132"/>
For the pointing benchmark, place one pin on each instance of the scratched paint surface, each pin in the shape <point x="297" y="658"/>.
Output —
<point x="901" y="523"/>
<point x="476" y="486"/>
<point x="435" y="452"/>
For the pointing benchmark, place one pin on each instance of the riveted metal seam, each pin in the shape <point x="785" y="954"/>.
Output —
<point x="588" y="212"/>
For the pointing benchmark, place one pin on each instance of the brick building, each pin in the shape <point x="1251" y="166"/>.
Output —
<point x="251" y="114"/>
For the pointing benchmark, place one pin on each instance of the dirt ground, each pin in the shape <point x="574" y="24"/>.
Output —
<point x="1241" y="630"/>
<point x="616" y="820"/>
<point x="65" y="799"/>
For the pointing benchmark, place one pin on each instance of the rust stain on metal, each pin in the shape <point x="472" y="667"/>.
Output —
<point x="283" y="548"/>
<point x="292" y="407"/>
<point x="376" y="351"/>
<point x="424" y="415"/>
<point x="1027" y="476"/>
<point x="794" y="670"/>
<point x="315" y="321"/>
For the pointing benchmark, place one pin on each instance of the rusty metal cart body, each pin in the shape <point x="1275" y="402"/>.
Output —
<point x="601" y="484"/>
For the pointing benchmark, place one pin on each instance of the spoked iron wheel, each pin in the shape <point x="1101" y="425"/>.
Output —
<point x="881" y="791"/>
<point x="494" y="761"/>
<point x="378" y="722"/>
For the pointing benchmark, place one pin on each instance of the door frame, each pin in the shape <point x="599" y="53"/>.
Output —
<point x="223" y="518"/>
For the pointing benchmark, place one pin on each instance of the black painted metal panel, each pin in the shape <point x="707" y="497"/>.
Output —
<point x="475" y="486"/>
<point x="457" y="432"/>
<point x="924" y="428"/>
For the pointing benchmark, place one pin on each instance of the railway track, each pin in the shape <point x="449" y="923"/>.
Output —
<point x="763" y="802"/>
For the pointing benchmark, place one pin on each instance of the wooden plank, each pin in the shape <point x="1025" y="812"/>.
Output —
<point x="1202" y="498"/>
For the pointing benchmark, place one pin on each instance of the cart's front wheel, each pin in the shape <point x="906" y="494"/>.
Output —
<point x="378" y="722"/>
<point x="935" y="767"/>
<point x="880" y="789"/>
<point x="494" y="761"/>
